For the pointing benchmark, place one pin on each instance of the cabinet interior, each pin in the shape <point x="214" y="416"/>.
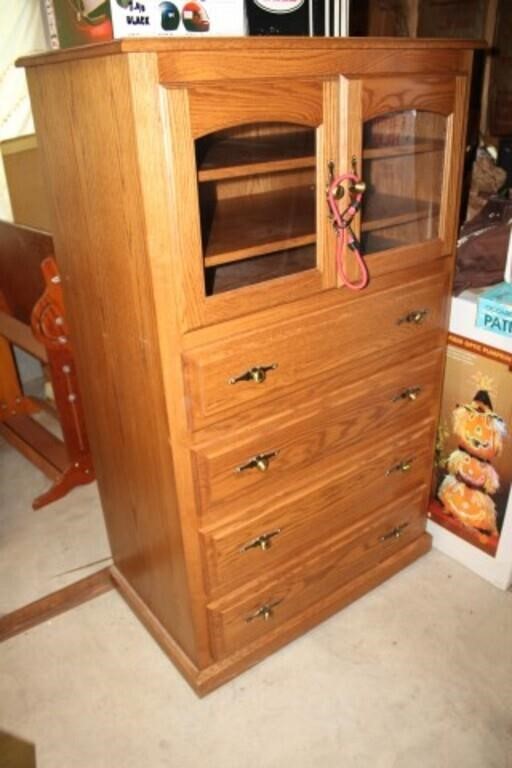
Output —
<point x="403" y="167"/>
<point x="257" y="194"/>
<point x="257" y="200"/>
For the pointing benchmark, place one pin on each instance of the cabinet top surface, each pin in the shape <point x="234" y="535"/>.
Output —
<point x="256" y="44"/>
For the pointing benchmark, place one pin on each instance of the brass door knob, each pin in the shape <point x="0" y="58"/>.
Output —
<point x="260" y="462"/>
<point x="416" y="317"/>
<point x="359" y="188"/>
<point x="257" y="374"/>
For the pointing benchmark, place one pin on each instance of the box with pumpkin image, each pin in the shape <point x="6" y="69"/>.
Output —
<point x="473" y="463"/>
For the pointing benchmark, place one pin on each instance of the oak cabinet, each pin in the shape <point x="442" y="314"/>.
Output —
<point x="263" y="435"/>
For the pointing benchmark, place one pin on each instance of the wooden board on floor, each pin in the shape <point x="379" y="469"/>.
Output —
<point x="55" y="603"/>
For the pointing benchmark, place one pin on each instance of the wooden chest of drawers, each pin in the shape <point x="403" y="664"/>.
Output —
<point x="263" y="435"/>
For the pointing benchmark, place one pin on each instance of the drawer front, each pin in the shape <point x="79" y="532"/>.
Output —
<point x="234" y="474"/>
<point x="248" y="549"/>
<point x="243" y="370"/>
<point x="240" y="619"/>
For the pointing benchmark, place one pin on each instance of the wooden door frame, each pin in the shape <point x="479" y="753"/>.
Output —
<point x="442" y="94"/>
<point x="183" y="122"/>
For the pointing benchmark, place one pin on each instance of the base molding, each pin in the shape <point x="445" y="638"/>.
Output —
<point x="166" y="642"/>
<point x="205" y="680"/>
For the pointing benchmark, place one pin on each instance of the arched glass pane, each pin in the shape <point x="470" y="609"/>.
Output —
<point x="257" y="200"/>
<point x="403" y="167"/>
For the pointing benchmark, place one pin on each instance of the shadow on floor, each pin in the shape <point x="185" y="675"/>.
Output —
<point x="15" y="752"/>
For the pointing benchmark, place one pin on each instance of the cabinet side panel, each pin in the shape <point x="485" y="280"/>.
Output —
<point x="84" y="122"/>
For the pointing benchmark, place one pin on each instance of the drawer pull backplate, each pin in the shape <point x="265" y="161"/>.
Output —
<point x="394" y="533"/>
<point x="409" y="393"/>
<point x="401" y="466"/>
<point x="260" y="462"/>
<point x="416" y="317"/>
<point x="258" y="374"/>
<point x="264" y="612"/>
<point x="262" y="542"/>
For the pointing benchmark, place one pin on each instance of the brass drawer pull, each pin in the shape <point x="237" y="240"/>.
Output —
<point x="402" y="466"/>
<point x="264" y="541"/>
<point x="261" y="462"/>
<point x="394" y="533"/>
<point x="409" y="393"/>
<point x="416" y="317"/>
<point x="265" y="612"/>
<point x="258" y="374"/>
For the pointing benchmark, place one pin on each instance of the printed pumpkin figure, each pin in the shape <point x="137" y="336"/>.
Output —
<point x="466" y="491"/>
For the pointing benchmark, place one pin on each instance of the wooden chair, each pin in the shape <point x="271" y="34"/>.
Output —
<point x="32" y="317"/>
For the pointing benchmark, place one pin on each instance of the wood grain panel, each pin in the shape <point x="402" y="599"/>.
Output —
<point x="207" y="66"/>
<point x="21" y="252"/>
<point x="318" y="436"/>
<point x="394" y="94"/>
<point x="221" y="46"/>
<point x="294" y="591"/>
<point x="101" y="249"/>
<point x="323" y="341"/>
<point x="304" y="517"/>
<point x="213" y="107"/>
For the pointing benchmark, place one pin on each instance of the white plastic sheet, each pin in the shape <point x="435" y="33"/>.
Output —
<point x="21" y="32"/>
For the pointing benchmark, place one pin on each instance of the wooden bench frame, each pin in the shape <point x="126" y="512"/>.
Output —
<point x="66" y="462"/>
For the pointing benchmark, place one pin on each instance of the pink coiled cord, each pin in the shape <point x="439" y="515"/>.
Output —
<point x="341" y="220"/>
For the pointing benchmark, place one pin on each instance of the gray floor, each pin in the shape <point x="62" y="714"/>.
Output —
<point x="416" y="674"/>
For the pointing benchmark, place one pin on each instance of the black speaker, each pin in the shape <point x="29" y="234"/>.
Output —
<point x="287" y="17"/>
<point x="277" y="17"/>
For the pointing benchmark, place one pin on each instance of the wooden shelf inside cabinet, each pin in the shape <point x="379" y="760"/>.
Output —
<point x="233" y="158"/>
<point x="249" y="226"/>
<point x="401" y="150"/>
<point x="373" y="242"/>
<point x="382" y="211"/>
<point x="238" y="274"/>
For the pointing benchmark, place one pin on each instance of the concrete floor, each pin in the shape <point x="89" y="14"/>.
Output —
<point x="418" y="674"/>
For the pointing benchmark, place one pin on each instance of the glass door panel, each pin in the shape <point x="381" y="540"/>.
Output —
<point x="403" y="167"/>
<point x="257" y="201"/>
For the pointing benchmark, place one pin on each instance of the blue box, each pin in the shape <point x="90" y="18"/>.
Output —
<point x="494" y="310"/>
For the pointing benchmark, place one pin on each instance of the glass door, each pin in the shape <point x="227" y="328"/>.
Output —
<point x="403" y="167"/>
<point x="257" y="202"/>
<point x="405" y="137"/>
<point x="254" y="222"/>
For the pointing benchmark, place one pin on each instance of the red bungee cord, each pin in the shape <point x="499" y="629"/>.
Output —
<point x="341" y="220"/>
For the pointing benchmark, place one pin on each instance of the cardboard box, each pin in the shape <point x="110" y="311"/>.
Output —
<point x="101" y="20"/>
<point x="478" y="377"/>
<point x="79" y="23"/>
<point x="494" y="310"/>
<point x="25" y="183"/>
<point x="162" y="18"/>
